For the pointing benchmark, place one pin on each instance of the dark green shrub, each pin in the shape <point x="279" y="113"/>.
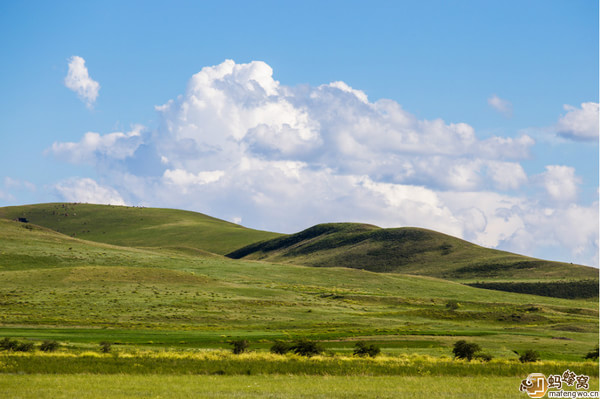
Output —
<point x="593" y="354"/>
<point x="49" y="346"/>
<point x="281" y="348"/>
<point x="362" y="349"/>
<point x="105" y="347"/>
<point x="486" y="357"/>
<point x="25" y="347"/>
<point x="465" y="350"/>
<point x="452" y="304"/>
<point x="8" y="344"/>
<point x="529" y="356"/>
<point x="305" y="347"/>
<point x="239" y="346"/>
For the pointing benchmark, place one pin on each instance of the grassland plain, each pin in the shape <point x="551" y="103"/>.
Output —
<point x="177" y="297"/>
<point x="83" y="292"/>
<point x="259" y="386"/>
<point x="222" y="374"/>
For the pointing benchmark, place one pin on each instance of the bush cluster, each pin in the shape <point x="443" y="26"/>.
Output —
<point x="529" y="356"/>
<point x="465" y="350"/>
<point x="280" y="347"/>
<point x="239" y="346"/>
<point x="105" y="347"/>
<point x="49" y="346"/>
<point x="306" y="347"/>
<point x="363" y="349"/>
<point x="302" y="347"/>
<point x="469" y="350"/>
<point x="13" y="345"/>
<point x="8" y="344"/>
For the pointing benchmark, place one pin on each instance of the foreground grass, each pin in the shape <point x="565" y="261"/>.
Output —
<point x="260" y="363"/>
<point x="272" y="386"/>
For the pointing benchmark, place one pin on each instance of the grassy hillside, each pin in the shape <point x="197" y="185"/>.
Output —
<point x="82" y="292"/>
<point x="406" y="250"/>
<point x="139" y="227"/>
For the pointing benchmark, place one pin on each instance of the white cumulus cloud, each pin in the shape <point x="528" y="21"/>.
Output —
<point x="79" y="80"/>
<point x="183" y="178"/>
<point x="574" y="227"/>
<point x="239" y="145"/>
<point x="506" y="175"/>
<point x="560" y="182"/>
<point x="579" y="123"/>
<point x="94" y="146"/>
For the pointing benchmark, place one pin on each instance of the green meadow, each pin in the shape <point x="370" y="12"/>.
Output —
<point x="261" y="386"/>
<point x="155" y="282"/>
<point x="222" y="374"/>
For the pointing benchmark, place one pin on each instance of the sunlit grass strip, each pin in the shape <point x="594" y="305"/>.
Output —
<point x="123" y="386"/>
<point x="225" y="363"/>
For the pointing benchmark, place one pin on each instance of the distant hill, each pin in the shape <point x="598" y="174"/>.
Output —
<point x="25" y="247"/>
<point x="360" y="246"/>
<point x="139" y="227"/>
<point x="406" y="250"/>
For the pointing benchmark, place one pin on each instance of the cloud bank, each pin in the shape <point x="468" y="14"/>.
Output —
<point x="79" y="81"/>
<point x="239" y="145"/>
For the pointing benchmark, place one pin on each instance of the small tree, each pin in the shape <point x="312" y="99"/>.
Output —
<point x="105" y="347"/>
<point x="593" y="354"/>
<point x="280" y="347"/>
<point x="305" y="347"/>
<point x="49" y="346"/>
<point x="465" y="350"/>
<point x="362" y="349"/>
<point x="529" y="356"/>
<point x="239" y="346"/>
<point x="452" y="304"/>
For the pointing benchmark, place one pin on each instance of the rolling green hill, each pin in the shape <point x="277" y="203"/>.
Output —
<point x="408" y="251"/>
<point x="401" y="250"/>
<point x="80" y="292"/>
<point x="139" y="227"/>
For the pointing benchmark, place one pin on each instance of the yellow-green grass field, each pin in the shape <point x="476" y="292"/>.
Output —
<point x="220" y="362"/>
<point x="119" y="386"/>
<point x="208" y="374"/>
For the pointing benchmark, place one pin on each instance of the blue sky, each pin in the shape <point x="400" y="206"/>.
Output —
<point x="478" y="119"/>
